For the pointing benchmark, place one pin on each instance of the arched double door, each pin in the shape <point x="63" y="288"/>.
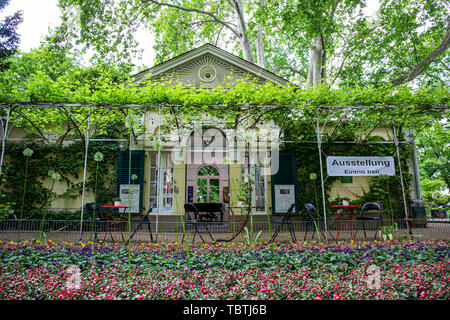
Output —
<point x="206" y="171"/>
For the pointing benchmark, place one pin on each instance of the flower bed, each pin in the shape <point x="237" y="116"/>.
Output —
<point x="411" y="270"/>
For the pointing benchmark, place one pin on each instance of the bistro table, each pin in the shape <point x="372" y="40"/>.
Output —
<point x="343" y="222"/>
<point x="208" y="210"/>
<point x="114" y="221"/>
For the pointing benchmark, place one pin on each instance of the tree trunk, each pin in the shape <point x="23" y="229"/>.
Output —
<point x="260" y="48"/>
<point x="243" y="37"/>
<point x="260" y="59"/>
<point x="316" y="71"/>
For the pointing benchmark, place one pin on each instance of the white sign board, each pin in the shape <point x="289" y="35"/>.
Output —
<point x="284" y="197"/>
<point x="134" y="193"/>
<point x="360" y="166"/>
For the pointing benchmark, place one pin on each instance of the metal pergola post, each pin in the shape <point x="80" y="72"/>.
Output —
<point x="397" y="151"/>
<point x="87" y="136"/>
<point x="4" y="137"/>
<point x="159" y="176"/>
<point x="322" y="182"/>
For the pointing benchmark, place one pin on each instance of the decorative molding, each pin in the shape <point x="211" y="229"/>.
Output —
<point x="223" y="61"/>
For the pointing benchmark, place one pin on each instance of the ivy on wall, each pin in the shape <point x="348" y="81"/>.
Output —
<point x="69" y="163"/>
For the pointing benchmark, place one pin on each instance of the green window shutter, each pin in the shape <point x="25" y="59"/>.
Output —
<point x="137" y="168"/>
<point x="286" y="175"/>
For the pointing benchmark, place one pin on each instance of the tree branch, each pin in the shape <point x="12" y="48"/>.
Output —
<point x="292" y="71"/>
<point x="347" y="54"/>
<point x="210" y="14"/>
<point x="420" y="67"/>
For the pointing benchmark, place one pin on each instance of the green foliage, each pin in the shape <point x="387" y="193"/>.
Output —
<point x="9" y="39"/>
<point x="360" y="48"/>
<point x="301" y="139"/>
<point x="100" y="91"/>
<point x="248" y="238"/>
<point x="69" y="164"/>
<point x="435" y="193"/>
<point x="434" y="154"/>
<point x="408" y="105"/>
<point x="387" y="232"/>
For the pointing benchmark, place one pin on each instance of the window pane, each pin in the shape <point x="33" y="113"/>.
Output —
<point x="161" y="182"/>
<point x="168" y="183"/>
<point x="152" y="158"/>
<point x="214" y="195"/>
<point x="153" y="189"/>
<point x="214" y="183"/>
<point x="208" y="171"/>
<point x="153" y="202"/>
<point x="259" y="203"/>
<point x="259" y="189"/>
<point x="167" y="204"/>
<point x="202" y="190"/>
<point x="153" y="175"/>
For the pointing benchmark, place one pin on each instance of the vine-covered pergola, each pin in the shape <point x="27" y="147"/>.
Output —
<point x="58" y="111"/>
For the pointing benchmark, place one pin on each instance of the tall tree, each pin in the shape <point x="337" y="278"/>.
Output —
<point x="9" y="38"/>
<point x="307" y="41"/>
<point x="408" y="40"/>
<point x="105" y="24"/>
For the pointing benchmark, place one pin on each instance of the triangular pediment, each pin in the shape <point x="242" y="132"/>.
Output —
<point x="208" y="66"/>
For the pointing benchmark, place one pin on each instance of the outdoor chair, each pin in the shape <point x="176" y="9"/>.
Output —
<point x="316" y="220"/>
<point x="193" y="219"/>
<point x="370" y="211"/>
<point x="96" y="222"/>
<point x="140" y="222"/>
<point x="286" y="221"/>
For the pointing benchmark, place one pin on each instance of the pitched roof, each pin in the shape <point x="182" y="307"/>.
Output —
<point x="209" y="49"/>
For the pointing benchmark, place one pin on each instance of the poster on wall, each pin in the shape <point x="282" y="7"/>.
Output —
<point x="190" y="194"/>
<point x="360" y="166"/>
<point x="134" y="190"/>
<point x="284" y="197"/>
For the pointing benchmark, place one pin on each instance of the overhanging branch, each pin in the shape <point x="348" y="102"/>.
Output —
<point x="420" y="67"/>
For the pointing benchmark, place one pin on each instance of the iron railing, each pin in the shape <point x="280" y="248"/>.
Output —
<point x="73" y="231"/>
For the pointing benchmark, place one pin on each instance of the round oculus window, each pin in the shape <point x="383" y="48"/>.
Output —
<point x="207" y="73"/>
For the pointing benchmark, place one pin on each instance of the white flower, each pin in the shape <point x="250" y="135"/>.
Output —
<point x="27" y="152"/>
<point x="134" y="176"/>
<point x="56" y="176"/>
<point x="98" y="156"/>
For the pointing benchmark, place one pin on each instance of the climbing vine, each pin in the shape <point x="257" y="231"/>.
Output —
<point x="48" y="106"/>
<point x="299" y="137"/>
<point x="69" y="165"/>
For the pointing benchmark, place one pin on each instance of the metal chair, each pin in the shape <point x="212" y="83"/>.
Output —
<point x="365" y="209"/>
<point x="193" y="219"/>
<point x="140" y="222"/>
<point x="94" y="216"/>
<point x="317" y="219"/>
<point x="286" y="221"/>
